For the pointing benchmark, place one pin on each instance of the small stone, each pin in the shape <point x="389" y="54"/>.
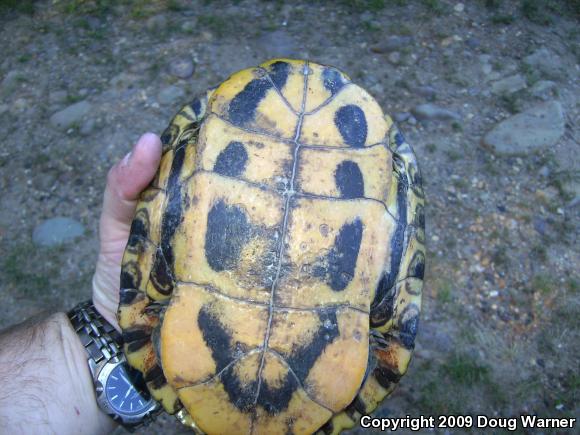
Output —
<point x="56" y="231"/>
<point x="486" y="68"/>
<point x="87" y="127"/>
<point x="188" y="27"/>
<point x="57" y="97"/>
<point x="428" y="92"/>
<point x="546" y="62"/>
<point x="401" y="116"/>
<point x="493" y="294"/>
<point x="459" y="7"/>
<point x="66" y="118"/>
<point x="170" y="95"/>
<point x="445" y="42"/>
<point x="392" y="43"/>
<point x="542" y="88"/>
<point x="538" y="127"/>
<point x="509" y="85"/>
<point x="11" y="80"/>
<point x="394" y="57"/>
<point x="540" y="225"/>
<point x="473" y="42"/>
<point x="156" y="23"/>
<point x="432" y="112"/>
<point x="182" y="68"/>
<point x="544" y="171"/>
<point x="560" y="406"/>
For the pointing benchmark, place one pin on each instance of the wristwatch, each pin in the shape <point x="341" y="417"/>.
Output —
<point x="119" y="389"/>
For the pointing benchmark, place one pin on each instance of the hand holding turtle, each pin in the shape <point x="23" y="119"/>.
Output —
<point x="125" y="181"/>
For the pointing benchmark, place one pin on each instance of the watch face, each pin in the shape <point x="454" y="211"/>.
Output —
<point x="126" y="391"/>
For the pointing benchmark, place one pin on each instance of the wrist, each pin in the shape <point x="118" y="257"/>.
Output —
<point x="75" y="353"/>
<point x="44" y="373"/>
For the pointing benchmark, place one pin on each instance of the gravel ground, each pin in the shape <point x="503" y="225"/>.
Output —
<point x="488" y="93"/>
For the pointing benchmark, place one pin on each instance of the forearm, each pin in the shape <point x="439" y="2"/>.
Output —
<point x="45" y="383"/>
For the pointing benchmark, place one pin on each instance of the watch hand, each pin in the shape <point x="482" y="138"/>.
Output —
<point x="129" y="390"/>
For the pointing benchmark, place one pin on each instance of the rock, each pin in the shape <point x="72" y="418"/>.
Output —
<point x="538" y="127"/>
<point x="401" y="116"/>
<point x="188" y="27"/>
<point x="156" y="23"/>
<point x="394" y="57"/>
<point x="546" y="62"/>
<point x="459" y="7"/>
<point x="71" y="115"/>
<point x="473" y="42"/>
<point x="182" y="67"/>
<point x="486" y="68"/>
<point x="56" y="231"/>
<point x="277" y="44"/>
<point x="392" y="43"/>
<point x="170" y="95"/>
<point x="11" y="80"/>
<point x="87" y="127"/>
<point x="432" y="112"/>
<point x="428" y="92"/>
<point x="542" y="88"/>
<point x="123" y="80"/>
<point x="544" y="171"/>
<point x="57" y="97"/>
<point x="540" y="225"/>
<point x="509" y="85"/>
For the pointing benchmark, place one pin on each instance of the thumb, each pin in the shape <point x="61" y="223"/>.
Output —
<point x="125" y="181"/>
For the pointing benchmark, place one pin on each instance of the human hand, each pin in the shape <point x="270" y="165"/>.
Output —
<point x="125" y="181"/>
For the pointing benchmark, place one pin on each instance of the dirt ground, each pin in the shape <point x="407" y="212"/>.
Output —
<point x="500" y="331"/>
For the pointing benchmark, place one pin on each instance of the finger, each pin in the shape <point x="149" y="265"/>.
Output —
<point x="128" y="178"/>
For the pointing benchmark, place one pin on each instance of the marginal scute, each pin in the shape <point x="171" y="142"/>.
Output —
<point x="282" y="234"/>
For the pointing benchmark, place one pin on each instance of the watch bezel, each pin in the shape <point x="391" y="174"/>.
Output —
<point x="100" y="381"/>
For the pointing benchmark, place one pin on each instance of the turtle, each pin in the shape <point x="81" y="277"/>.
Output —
<point x="272" y="278"/>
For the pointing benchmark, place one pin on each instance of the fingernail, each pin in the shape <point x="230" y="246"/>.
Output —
<point x="126" y="159"/>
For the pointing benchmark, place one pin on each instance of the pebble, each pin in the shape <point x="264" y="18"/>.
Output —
<point x="401" y="116"/>
<point x="459" y="7"/>
<point x="538" y="127"/>
<point x="66" y="118"/>
<point x="392" y="43"/>
<point x="87" y="127"/>
<point x="11" y="80"/>
<point x="57" y="97"/>
<point x="493" y="294"/>
<point x="182" y="68"/>
<point x="542" y="88"/>
<point x="156" y="23"/>
<point x="170" y="95"/>
<point x="432" y="112"/>
<point x="428" y="92"/>
<point x="509" y="85"/>
<point x="473" y="42"/>
<point x="546" y="62"/>
<point x="394" y="57"/>
<point x="56" y="231"/>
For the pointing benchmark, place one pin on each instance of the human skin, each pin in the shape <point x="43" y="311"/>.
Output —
<point x="45" y="383"/>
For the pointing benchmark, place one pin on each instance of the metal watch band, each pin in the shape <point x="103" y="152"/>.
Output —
<point x="99" y="337"/>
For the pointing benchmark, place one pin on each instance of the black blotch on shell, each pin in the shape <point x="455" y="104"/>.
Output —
<point x="349" y="180"/>
<point x="352" y="125"/>
<point x="243" y="106"/>
<point x="339" y="265"/>
<point x="333" y="80"/>
<point x="228" y="230"/>
<point x="232" y="160"/>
